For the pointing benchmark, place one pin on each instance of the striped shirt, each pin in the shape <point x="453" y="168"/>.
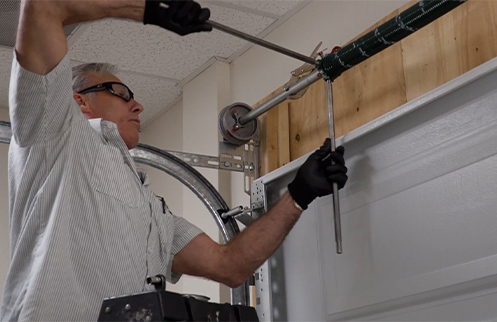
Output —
<point x="84" y="223"/>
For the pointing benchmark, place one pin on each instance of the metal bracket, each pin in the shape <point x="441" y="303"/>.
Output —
<point x="243" y="158"/>
<point x="247" y="215"/>
<point x="243" y="215"/>
<point x="258" y="199"/>
<point x="197" y="160"/>
<point x="300" y="72"/>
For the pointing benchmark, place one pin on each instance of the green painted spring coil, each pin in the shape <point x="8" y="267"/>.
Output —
<point x="395" y="29"/>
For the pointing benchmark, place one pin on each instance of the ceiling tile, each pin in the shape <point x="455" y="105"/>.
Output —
<point x="225" y="45"/>
<point x="154" y="94"/>
<point x="275" y="7"/>
<point x="153" y="50"/>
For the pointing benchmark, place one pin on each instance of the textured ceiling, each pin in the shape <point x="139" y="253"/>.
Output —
<point x="156" y="63"/>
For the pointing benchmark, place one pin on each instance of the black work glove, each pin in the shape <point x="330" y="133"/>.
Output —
<point x="316" y="176"/>
<point x="180" y="16"/>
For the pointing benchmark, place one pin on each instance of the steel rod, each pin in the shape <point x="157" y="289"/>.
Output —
<point x="336" y="199"/>
<point x="278" y="98"/>
<point x="263" y="43"/>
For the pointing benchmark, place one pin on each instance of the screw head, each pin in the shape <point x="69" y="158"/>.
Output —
<point x="127" y="307"/>
<point x="107" y="309"/>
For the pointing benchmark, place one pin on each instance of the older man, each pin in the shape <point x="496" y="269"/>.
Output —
<point x="84" y="224"/>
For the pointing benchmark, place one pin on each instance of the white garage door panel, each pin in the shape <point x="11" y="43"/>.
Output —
<point x="481" y="308"/>
<point x="420" y="212"/>
<point x="419" y="220"/>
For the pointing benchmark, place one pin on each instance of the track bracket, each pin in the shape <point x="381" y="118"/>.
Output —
<point x="243" y="158"/>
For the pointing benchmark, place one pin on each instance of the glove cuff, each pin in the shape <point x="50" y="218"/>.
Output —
<point x="299" y="195"/>
<point x="149" y="14"/>
<point x="297" y="206"/>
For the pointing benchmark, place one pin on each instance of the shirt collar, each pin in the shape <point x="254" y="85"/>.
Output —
<point x="110" y="133"/>
<point x="95" y="124"/>
<point x="102" y="126"/>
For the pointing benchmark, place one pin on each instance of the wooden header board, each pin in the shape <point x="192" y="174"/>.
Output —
<point x="462" y="39"/>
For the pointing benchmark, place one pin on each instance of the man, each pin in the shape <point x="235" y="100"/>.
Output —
<point x="84" y="224"/>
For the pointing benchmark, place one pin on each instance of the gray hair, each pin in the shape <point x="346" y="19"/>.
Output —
<point x="81" y="74"/>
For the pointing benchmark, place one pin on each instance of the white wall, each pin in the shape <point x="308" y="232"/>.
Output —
<point x="251" y="77"/>
<point x="203" y="98"/>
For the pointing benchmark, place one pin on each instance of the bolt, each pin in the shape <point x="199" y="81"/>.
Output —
<point x="148" y="319"/>
<point x="227" y="164"/>
<point x="107" y="310"/>
<point x="127" y="307"/>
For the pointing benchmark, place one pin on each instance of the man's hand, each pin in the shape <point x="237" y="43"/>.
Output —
<point x="180" y="16"/>
<point x="316" y="176"/>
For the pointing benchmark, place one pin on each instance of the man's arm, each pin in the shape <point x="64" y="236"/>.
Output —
<point x="41" y="43"/>
<point x="233" y="263"/>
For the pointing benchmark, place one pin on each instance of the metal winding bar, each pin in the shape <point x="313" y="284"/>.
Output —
<point x="262" y="42"/>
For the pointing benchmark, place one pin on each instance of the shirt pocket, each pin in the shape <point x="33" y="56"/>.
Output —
<point x="114" y="178"/>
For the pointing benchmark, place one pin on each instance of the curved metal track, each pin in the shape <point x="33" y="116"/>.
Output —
<point x="190" y="177"/>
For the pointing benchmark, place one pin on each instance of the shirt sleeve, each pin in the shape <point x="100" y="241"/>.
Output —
<point x="184" y="232"/>
<point x="41" y="106"/>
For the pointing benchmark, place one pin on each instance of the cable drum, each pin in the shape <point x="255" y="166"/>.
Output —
<point x="232" y="131"/>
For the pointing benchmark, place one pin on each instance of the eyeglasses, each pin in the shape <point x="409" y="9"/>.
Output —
<point x="115" y="88"/>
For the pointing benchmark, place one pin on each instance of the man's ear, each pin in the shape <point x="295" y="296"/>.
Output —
<point x="83" y="103"/>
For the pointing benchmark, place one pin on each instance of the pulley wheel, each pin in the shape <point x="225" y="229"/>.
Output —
<point x="233" y="132"/>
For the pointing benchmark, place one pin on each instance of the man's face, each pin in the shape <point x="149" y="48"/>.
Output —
<point x="103" y="104"/>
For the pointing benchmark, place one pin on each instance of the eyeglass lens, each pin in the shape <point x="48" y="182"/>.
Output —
<point x="122" y="91"/>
